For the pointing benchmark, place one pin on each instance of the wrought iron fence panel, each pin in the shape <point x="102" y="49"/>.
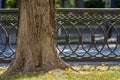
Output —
<point x="82" y="34"/>
<point x="8" y="31"/>
<point x="90" y="34"/>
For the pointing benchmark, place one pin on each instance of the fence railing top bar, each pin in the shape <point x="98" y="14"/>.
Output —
<point x="15" y="10"/>
<point x="88" y="9"/>
<point x="12" y="10"/>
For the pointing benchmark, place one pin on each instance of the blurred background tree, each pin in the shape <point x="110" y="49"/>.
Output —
<point x="69" y="3"/>
<point x="117" y="3"/>
<point x="80" y="3"/>
<point x="9" y="3"/>
<point x="58" y="3"/>
<point x="65" y="3"/>
<point x="94" y="4"/>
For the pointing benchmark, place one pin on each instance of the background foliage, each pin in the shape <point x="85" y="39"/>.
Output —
<point x="67" y="3"/>
<point x="94" y="4"/>
<point x="9" y="3"/>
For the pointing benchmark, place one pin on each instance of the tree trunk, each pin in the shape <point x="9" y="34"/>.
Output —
<point x="36" y="40"/>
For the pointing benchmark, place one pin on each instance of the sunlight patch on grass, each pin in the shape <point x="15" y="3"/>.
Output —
<point x="2" y="69"/>
<point x="85" y="72"/>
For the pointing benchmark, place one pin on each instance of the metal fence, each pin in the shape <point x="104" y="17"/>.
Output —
<point x="82" y="34"/>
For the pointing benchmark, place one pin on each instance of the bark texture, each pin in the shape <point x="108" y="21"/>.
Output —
<point x="36" y="40"/>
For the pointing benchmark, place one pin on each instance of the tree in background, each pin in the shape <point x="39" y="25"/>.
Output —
<point x="9" y="3"/>
<point x="113" y="3"/>
<point x="57" y="3"/>
<point x="79" y="3"/>
<point x="117" y="3"/>
<point x="66" y="3"/>
<point x="94" y="4"/>
<point x="36" y="40"/>
<point x="69" y="3"/>
<point x="0" y="3"/>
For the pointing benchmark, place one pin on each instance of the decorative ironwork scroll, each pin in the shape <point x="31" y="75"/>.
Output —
<point x="82" y="34"/>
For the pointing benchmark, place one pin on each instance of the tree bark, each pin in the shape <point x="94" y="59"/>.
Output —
<point x="36" y="40"/>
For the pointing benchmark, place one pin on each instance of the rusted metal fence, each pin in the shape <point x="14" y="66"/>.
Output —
<point x="82" y="34"/>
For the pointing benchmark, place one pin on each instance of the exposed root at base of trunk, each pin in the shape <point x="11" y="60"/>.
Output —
<point x="14" y="69"/>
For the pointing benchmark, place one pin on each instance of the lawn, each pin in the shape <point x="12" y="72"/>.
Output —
<point x="85" y="72"/>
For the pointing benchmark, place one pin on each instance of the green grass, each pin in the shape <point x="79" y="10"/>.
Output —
<point x="84" y="73"/>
